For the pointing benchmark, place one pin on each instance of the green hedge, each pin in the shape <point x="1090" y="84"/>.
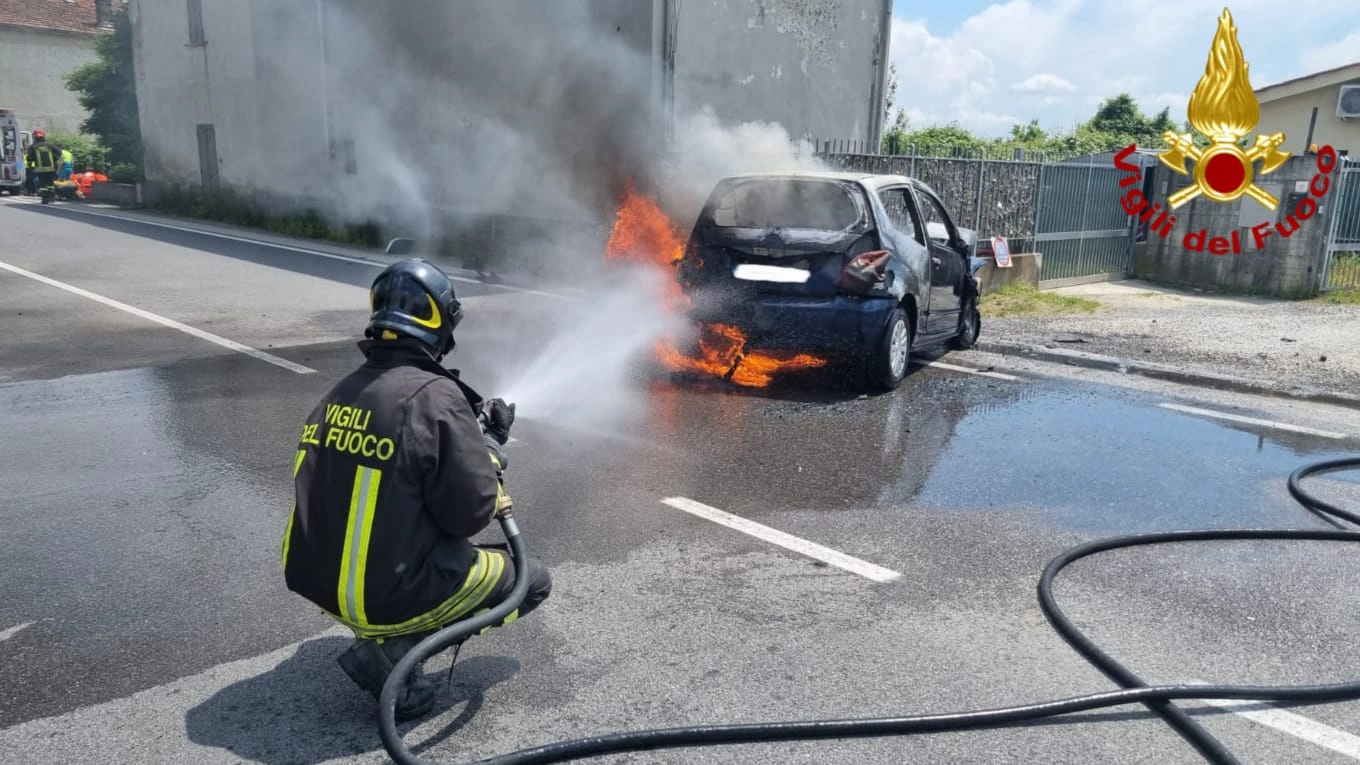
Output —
<point x="234" y="208"/>
<point x="87" y="153"/>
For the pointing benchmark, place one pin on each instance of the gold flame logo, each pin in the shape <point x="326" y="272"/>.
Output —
<point x="1223" y="108"/>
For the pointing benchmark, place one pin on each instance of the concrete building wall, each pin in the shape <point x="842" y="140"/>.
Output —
<point x="1291" y="115"/>
<point x="182" y="85"/>
<point x="818" y="67"/>
<point x="33" y="69"/>
<point x="351" y="109"/>
<point x="1287" y="266"/>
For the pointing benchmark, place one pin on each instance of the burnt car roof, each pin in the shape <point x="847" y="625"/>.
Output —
<point x="873" y="181"/>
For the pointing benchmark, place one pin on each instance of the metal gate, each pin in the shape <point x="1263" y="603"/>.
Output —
<point x="1341" y="269"/>
<point x="1082" y="231"/>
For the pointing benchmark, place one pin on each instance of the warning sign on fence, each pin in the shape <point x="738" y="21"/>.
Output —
<point x="1002" y="251"/>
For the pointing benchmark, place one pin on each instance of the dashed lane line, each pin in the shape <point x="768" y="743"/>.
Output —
<point x="969" y="370"/>
<point x="787" y="541"/>
<point x="185" y="328"/>
<point x="1298" y="726"/>
<point x="1253" y="421"/>
<point x="12" y="631"/>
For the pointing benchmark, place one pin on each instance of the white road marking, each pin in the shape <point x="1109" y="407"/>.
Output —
<point x="788" y="541"/>
<point x="12" y="631"/>
<point x="188" y="330"/>
<point x="308" y="251"/>
<point x="1314" y="732"/>
<point x="969" y="370"/>
<point x="1254" y="421"/>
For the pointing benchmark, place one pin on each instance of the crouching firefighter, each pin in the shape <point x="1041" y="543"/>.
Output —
<point x="397" y="467"/>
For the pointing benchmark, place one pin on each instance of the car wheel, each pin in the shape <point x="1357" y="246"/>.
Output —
<point x="889" y="364"/>
<point x="970" y="326"/>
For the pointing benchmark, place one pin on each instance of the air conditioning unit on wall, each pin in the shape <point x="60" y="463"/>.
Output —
<point x="1348" y="102"/>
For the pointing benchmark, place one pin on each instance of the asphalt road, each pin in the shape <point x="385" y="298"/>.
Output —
<point x="145" y="477"/>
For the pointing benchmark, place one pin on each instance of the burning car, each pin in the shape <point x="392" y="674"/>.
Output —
<point x="869" y="267"/>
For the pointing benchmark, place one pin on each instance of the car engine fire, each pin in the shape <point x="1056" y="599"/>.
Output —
<point x="644" y="234"/>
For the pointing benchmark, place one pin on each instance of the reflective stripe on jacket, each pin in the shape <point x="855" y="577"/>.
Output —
<point x="42" y="158"/>
<point x="392" y="476"/>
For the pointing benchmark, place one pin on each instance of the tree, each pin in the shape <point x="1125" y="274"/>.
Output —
<point x="890" y="94"/>
<point x="1162" y="122"/>
<point x="106" y="88"/>
<point x="1119" y="115"/>
<point x="1029" y="134"/>
<point x="895" y="126"/>
<point x="944" y="141"/>
<point x="1117" y="122"/>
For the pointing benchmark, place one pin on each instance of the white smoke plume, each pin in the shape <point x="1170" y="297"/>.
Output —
<point x="518" y="107"/>
<point x="537" y="111"/>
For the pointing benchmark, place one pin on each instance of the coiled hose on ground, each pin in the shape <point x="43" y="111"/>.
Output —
<point x="1156" y="698"/>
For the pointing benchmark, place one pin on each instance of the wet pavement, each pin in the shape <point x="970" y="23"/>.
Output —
<point x="146" y="477"/>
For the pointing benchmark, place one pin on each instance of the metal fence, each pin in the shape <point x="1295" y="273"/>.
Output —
<point x="1069" y="211"/>
<point x="1342" y="267"/>
<point x="1083" y="230"/>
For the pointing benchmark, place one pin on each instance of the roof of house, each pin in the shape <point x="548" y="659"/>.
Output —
<point x="1324" y="79"/>
<point x="77" y="16"/>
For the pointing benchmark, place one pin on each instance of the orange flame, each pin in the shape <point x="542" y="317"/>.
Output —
<point x="643" y="233"/>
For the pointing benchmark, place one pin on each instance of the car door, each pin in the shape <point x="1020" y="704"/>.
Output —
<point x="903" y="232"/>
<point x="946" y="265"/>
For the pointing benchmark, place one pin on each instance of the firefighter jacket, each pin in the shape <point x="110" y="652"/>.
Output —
<point x="42" y="158"/>
<point x="392" y="476"/>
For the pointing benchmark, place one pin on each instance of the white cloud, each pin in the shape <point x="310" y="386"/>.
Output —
<point x="930" y="63"/>
<point x="1176" y="102"/>
<point x="1061" y="58"/>
<point x="985" y="117"/>
<point x="1042" y="83"/>
<point x="1340" y="53"/>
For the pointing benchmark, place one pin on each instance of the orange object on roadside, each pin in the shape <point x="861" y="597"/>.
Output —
<point x="85" y="181"/>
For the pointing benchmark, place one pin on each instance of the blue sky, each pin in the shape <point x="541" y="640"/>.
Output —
<point x="988" y="65"/>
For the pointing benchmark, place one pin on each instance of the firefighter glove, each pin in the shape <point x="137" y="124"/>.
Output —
<point x="497" y="417"/>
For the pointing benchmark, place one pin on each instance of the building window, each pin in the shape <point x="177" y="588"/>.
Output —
<point x="196" y="23"/>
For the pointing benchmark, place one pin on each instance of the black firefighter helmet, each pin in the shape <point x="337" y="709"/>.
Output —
<point x="414" y="298"/>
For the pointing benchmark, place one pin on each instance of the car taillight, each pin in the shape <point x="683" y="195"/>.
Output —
<point x="865" y="273"/>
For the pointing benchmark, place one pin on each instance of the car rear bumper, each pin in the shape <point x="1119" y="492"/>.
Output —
<point x="827" y="325"/>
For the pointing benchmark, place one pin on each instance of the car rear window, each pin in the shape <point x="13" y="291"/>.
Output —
<point x="783" y="203"/>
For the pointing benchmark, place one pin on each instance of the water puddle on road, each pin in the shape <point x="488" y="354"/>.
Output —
<point x="1093" y="460"/>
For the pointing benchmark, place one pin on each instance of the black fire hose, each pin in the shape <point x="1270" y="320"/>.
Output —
<point x="387" y="700"/>
<point x="1134" y="691"/>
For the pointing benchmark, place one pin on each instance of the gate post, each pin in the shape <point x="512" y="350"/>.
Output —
<point x="1085" y="210"/>
<point x="1333" y="218"/>
<point x="982" y="178"/>
<point x="1038" y="202"/>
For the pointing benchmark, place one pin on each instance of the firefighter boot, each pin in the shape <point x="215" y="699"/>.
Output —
<point x="369" y="663"/>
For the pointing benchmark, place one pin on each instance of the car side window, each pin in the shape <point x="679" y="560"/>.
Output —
<point x="936" y="221"/>
<point x="898" y="207"/>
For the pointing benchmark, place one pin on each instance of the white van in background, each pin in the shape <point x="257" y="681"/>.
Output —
<point x="12" y="143"/>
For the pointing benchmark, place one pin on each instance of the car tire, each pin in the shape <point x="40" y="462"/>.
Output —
<point x="891" y="359"/>
<point x="970" y="326"/>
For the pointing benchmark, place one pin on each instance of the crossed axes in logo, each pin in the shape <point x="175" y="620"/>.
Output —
<point x="1182" y="147"/>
